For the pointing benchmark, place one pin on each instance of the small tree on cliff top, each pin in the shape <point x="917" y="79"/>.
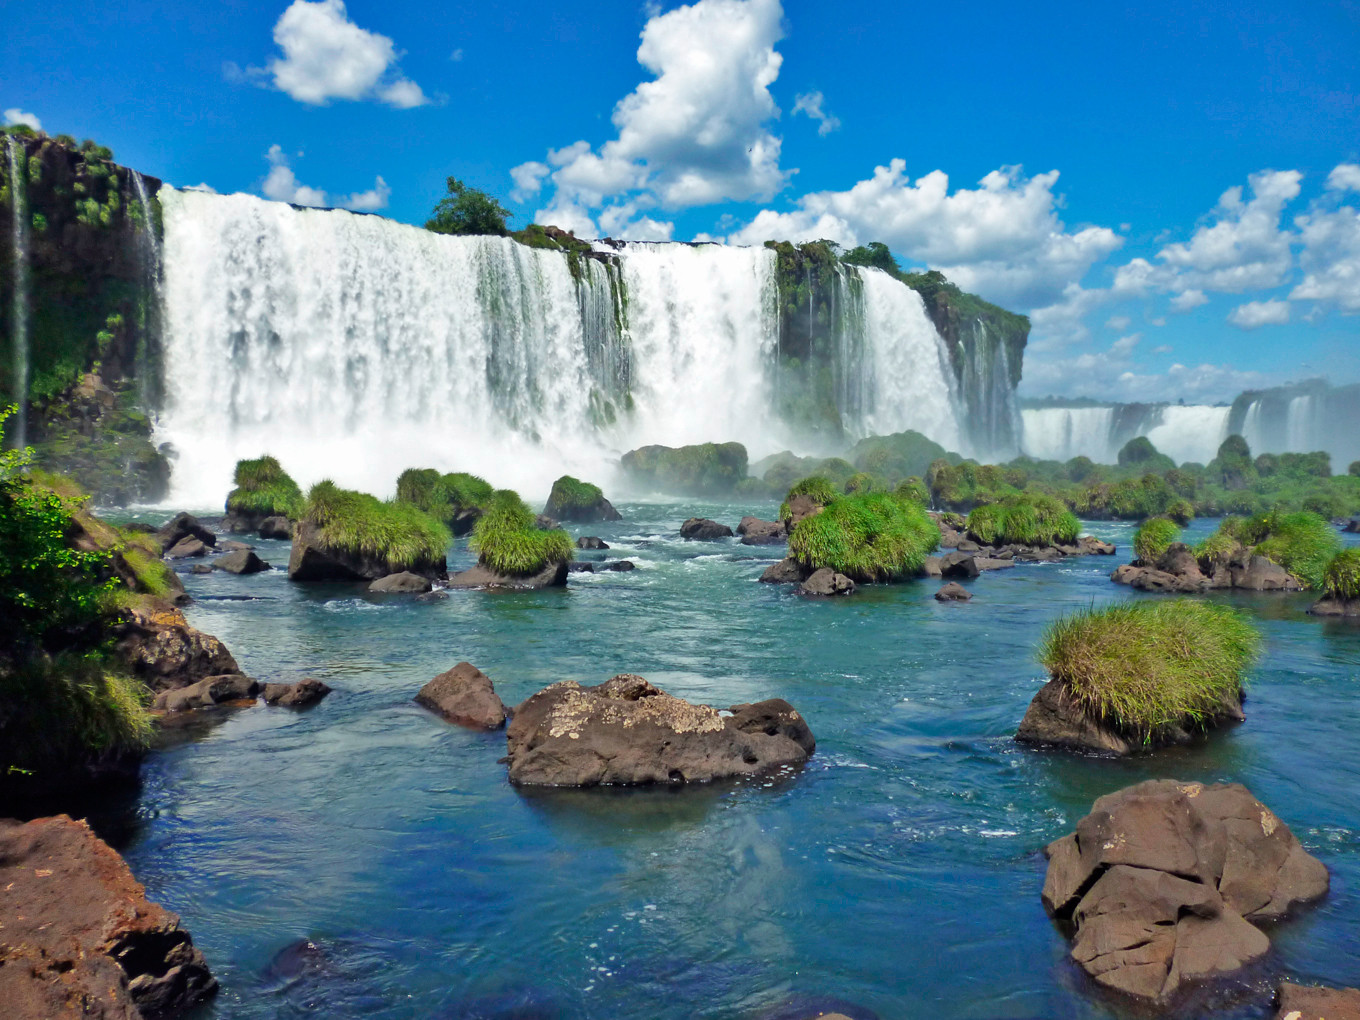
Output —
<point x="466" y="210"/>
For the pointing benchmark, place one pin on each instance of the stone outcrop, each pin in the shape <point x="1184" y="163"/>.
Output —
<point x="953" y="592"/>
<point x="314" y="560"/>
<point x="800" y="507"/>
<point x="626" y="731"/>
<point x="1178" y="571"/>
<point x="240" y="561"/>
<point x="464" y="695"/>
<point x="307" y="691"/>
<point x="187" y="548"/>
<point x="159" y="646"/>
<point x="1335" y="607"/>
<point x="181" y="527"/>
<point x="277" y="528"/>
<point x="554" y="575"/>
<point x="826" y="582"/>
<point x="1162" y="881"/>
<point x="591" y="542"/>
<point x="754" y="531"/>
<point x="209" y="692"/>
<point x="404" y="581"/>
<point x="1305" y="1002"/>
<point x="79" y="938"/>
<point x="1054" y="718"/>
<point x="786" y="571"/>
<point x="562" y="508"/>
<point x="701" y="529"/>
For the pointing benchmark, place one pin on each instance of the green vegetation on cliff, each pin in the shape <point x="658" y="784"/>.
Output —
<point x="1153" y="537"/>
<point x="1341" y="580"/>
<point x="507" y="540"/>
<point x="444" y="497"/>
<point x="871" y="536"/>
<point x="402" y="535"/>
<point x="708" y="469"/>
<point x="264" y="489"/>
<point x="1148" y="668"/>
<point x="467" y="210"/>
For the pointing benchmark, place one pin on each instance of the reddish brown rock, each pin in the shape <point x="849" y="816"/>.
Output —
<point x="307" y="691"/>
<point x="826" y="582"/>
<point x="953" y="592"/>
<point x="466" y="696"/>
<point x="754" y="531"/>
<point x="1303" y="1002"/>
<point x="79" y="938"/>
<point x="157" y="643"/>
<point x="208" y="692"/>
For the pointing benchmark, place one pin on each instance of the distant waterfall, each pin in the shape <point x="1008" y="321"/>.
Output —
<point x="354" y="347"/>
<point x="1061" y="433"/>
<point x="148" y="352"/>
<point x="18" y="191"/>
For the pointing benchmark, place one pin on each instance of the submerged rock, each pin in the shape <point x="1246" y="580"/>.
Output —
<point x="701" y="529"/>
<point x="466" y="696"/>
<point x="554" y="575"/>
<point x="619" y="565"/>
<point x="307" y="691"/>
<point x="953" y="592"/>
<point x="403" y="581"/>
<point x="242" y="561"/>
<point x="786" y="571"/>
<point x="826" y="582"/>
<point x="626" y="731"/>
<point x="1161" y="881"/>
<point x="582" y="567"/>
<point x="591" y="542"/>
<point x="1304" y="1002"/>
<point x="754" y="531"/>
<point x="208" y="692"/>
<point x="80" y="937"/>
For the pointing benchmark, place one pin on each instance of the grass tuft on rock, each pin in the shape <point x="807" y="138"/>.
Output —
<point x="571" y="496"/>
<point x="871" y="536"/>
<point x="818" y="488"/>
<point x="264" y="488"/>
<point x="915" y="490"/>
<point x="507" y="540"/>
<point x="1153" y="537"/>
<point x="443" y="497"/>
<point x="1303" y="543"/>
<point x="403" y="535"/>
<point x="864" y="481"/>
<point x="1150" y="667"/>
<point x="1027" y="518"/>
<point x="1341" y="580"/>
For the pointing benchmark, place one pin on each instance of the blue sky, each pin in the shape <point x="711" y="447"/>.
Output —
<point x="1172" y="192"/>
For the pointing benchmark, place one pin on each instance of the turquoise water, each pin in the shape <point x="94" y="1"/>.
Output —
<point x="897" y="875"/>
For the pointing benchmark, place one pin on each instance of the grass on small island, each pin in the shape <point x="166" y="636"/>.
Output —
<point x="1153" y="537"/>
<point x="443" y="497"/>
<point x="1341" y="580"/>
<point x="864" y="481"/>
<point x="870" y="536"/>
<point x="507" y="540"/>
<point x="1148" y="667"/>
<point x="915" y="490"/>
<point x="1029" y="518"/>
<point x="571" y="495"/>
<point x="402" y="535"/>
<point x="264" y="488"/>
<point x="1302" y="542"/>
<point x="818" y="488"/>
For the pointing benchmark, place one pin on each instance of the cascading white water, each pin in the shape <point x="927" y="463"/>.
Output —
<point x="1303" y="424"/>
<point x="1191" y="432"/>
<point x="151" y="263"/>
<point x="18" y="190"/>
<point x="353" y="347"/>
<point x="1061" y="433"/>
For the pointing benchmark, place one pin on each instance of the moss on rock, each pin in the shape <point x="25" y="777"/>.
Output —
<point x="508" y="541"/>
<point x="870" y="536"/>
<point x="707" y="469"/>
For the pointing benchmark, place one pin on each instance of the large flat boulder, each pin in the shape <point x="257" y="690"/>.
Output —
<point x="464" y="695"/>
<point x="1162" y="882"/>
<point x="827" y="583"/>
<point x="207" y="693"/>
<point x="79" y="938"/>
<point x="754" y="531"/>
<point x="1304" y="1002"/>
<point x="402" y="582"/>
<point x="182" y="526"/>
<point x="701" y="529"/>
<point x="628" y="732"/>
<point x="786" y="571"/>
<point x="240" y="561"/>
<point x="554" y="575"/>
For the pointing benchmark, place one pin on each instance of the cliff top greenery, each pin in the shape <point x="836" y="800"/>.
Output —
<point x="1149" y="667"/>
<point x="443" y="497"/>
<point x="263" y="487"/>
<point x="466" y="210"/>
<point x="507" y="540"/>
<point x="870" y="536"/>
<point x="402" y="535"/>
<point x="1153" y="537"/>
<point x="706" y="469"/>
<point x="1029" y="518"/>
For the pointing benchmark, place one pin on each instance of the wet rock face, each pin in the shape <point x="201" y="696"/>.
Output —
<point x="1300" y="1002"/>
<point x="754" y="531"/>
<point x="826" y="582"/>
<point x="786" y="571"/>
<point x="213" y="690"/>
<point x="403" y="581"/>
<point x="80" y="937"/>
<point x="307" y="691"/>
<point x="240" y="561"/>
<point x="591" y="542"/>
<point x="158" y="644"/>
<point x="701" y="529"/>
<point x="554" y="575"/>
<point x="1163" y="880"/>
<point x="312" y="559"/>
<point x="628" y="732"/>
<point x="464" y="695"/>
<point x="953" y="592"/>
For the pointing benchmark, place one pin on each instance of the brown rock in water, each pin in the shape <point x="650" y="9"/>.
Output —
<point x="800" y="507"/>
<point x="826" y="582"/>
<point x="80" y="938"/>
<point x="1303" y="1002"/>
<point x="626" y="731"/>
<point x="1335" y="607"/>
<point x="701" y="529"/>
<point x="180" y="527"/>
<point x="754" y="531"/>
<point x="307" y="691"/>
<point x="466" y="696"/>
<point x="241" y="561"/>
<point x="953" y="592"/>
<point x="1089" y="545"/>
<point x="786" y="571"/>
<point x="311" y="559"/>
<point x="159" y="646"/>
<point x="1161" y="880"/>
<point x="591" y="542"/>
<point x="186" y="548"/>
<point x="958" y="564"/>
<point x="276" y="527"/>
<point x="1260" y="574"/>
<point x="404" y="581"/>
<point x="210" y="691"/>
<point x="554" y="575"/>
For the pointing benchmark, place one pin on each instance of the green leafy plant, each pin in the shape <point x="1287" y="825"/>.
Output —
<point x="466" y="210"/>
<point x="507" y="540"/>
<point x="871" y="536"/>
<point x="1341" y="580"/>
<point x="263" y="487"/>
<point x="1153" y="537"/>
<point x="1150" y="667"/>
<point x="402" y="535"/>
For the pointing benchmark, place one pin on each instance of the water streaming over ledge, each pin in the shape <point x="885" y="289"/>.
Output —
<point x="352" y="346"/>
<point x="18" y="180"/>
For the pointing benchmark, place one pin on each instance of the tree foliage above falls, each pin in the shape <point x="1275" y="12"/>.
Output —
<point x="466" y="210"/>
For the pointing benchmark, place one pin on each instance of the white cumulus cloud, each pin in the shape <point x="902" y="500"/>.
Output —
<point x="282" y="185"/>
<point x="1188" y="299"/>
<point x="528" y="178"/>
<point x="1344" y="177"/>
<point x="1330" y="257"/>
<point x="810" y="103"/>
<point x="326" y="56"/>
<point x="14" y="115"/>
<point x="1255" y="314"/>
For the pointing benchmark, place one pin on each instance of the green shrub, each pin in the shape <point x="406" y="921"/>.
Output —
<point x="837" y="469"/>
<point x="895" y="456"/>
<point x="953" y="520"/>
<point x="1149" y="667"/>
<point x="815" y="487"/>
<point x="1153" y="537"/>
<point x="1303" y="543"/>
<point x="1218" y="546"/>
<point x="1354" y="469"/>
<point x="915" y="490"/>
<point x="443" y="497"/>
<point x="1342" y="577"/>
<point x="264" y="488"/>
<point x="401" y="534"/>
<point x="1139" y="452"/>
<point x="863" y="481"/>
<point x="571" y="496"/>
<point x="507" y="541"/>
<point x="870" y="536"/>
<point x="1029" y="518"/>
<point x="1182" y="511"/>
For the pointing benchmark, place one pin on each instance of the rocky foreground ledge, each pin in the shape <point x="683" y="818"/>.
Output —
<point x="79" y="938"/>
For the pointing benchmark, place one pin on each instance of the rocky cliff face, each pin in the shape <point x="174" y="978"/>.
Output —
<point x="80" y="331"/>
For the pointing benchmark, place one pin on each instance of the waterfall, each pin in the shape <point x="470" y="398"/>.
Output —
<point x="1191" y="432"/>
<point x="1061" y="433"/>
<point x="149" y="333"/>
<point x="353" y="347"/>
<point x="18" y="191"/>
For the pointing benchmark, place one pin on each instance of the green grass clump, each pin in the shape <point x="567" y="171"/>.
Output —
<point x="1153" y="537"/>
<point x="1150" y="667"/>
<point x="819" y="489"/>
<point x="1182" y="511"/>
<point x="1342" y="577"/>
<point x="571" y="496"/>
<point x="264" y="488"/>
<point x="443" y="497"/>
<point x="870" y="536"/>
<point x="402" y="535"/>
<point x="1218" y="546"/>
<point x="1028" y="518"/>
<point x="507" y="540"/>
<point x="1303" y="543"/>
<point x="863" y="481"/>
<point x="915" y="490"/>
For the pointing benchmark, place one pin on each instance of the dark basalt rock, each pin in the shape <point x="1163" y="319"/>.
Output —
<point x="466" y="696"/>
<point x="242" y="561"/>
<point x="1303" y="1002"/>
<point x="1161" y="881"/>
<point x="786" y="571"/>
<point x="312" y="560"/>
<point x="80" y="937"/>
<point x="201" y="568"/>
<point x="182" y="526"/>
<point x="242" y="522"/>
<point x="1178" y="571"/>
<point x="953" y="592"/>
<point x="826" y="582"/>
<point x="208" y="692"/>
<point x="619" y="565"/>
<point x="603" y="510"/>
<point x="186" y="548"/>
<point x="626" y="731"/>
<point x="404" y="581"/>
<point x="307" y="691"/>
<point x="580" y="568"/>
<point x="701" y="529"/>
<point x="591" y="542"/>
<point x="554" y="575"/>
<point x="958" y="564"/>
<point x="276" y="527"/>
<point x="159" y="646"/>
<point x="1054" y="718"/>
<point x="754" y="531"/>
